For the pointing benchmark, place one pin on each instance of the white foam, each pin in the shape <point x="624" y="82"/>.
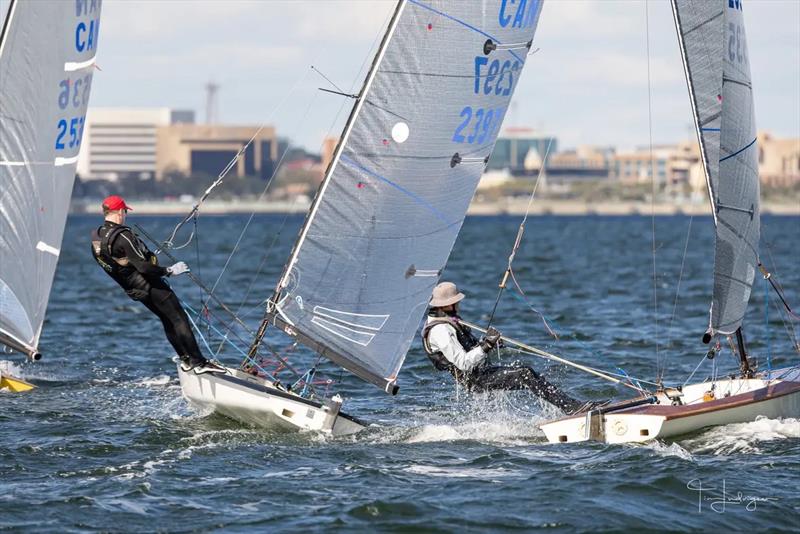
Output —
<point x="503" y="418"/>
<point x="744" y="437"/>
<point x="161" y="380"/>
<point x="464" y="472"/>
<point x="10" y="368"/>
<point x="673" y="449"/>
<point x="31" y="372"/>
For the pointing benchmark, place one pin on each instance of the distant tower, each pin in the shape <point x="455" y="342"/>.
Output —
<point x="211" y="103"/>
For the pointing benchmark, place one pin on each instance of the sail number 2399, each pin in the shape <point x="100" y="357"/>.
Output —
<point x="478" y="125"/>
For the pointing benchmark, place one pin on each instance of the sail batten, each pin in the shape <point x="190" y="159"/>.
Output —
<point x="395" y="195"/>
<point x="716" y="63"/>
<point x="47" y="49"/>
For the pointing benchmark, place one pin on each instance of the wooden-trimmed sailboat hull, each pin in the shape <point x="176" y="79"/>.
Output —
<point x="257" y="402"/>
<point x="738" y="401"/>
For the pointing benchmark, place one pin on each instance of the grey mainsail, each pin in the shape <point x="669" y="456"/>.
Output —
<point x="385" y="218"/>
<point x="714" y="49"/>
<point x="700" y="25"/>
<point x="47" y="51"/>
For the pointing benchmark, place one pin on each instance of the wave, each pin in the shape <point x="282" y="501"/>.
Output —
<point x="743" y="437"/>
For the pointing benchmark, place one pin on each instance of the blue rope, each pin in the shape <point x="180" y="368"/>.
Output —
<point x="226" y="340"/>
<point x="199" y="333"/>
<point x="632" y="380"/>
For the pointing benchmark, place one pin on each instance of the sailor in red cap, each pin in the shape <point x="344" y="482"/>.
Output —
<point x="126" y="259"/>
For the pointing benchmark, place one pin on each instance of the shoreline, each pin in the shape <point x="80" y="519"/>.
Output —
<point x="515" y="207"/>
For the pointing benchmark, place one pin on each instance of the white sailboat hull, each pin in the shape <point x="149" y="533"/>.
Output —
<point x="257" y="402"/>
<point x="737" y="401"/>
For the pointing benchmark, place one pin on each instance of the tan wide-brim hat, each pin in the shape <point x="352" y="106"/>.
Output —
<point x="445" y="294"/>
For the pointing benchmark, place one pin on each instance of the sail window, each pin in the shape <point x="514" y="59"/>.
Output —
<point x="400" y="132"/>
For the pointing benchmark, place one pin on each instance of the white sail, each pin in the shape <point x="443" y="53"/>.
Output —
<point x="712" y="37"/>
<point x="47" y="51"/>
<point x="386" y="216"/>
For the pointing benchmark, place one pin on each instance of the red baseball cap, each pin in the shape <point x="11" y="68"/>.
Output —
<point x="115" y="202"/>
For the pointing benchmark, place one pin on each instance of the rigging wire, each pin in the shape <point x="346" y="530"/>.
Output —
<point x="262" y="303"/>
<point x="520" y="232"/>
<point x="787" y="325"/>
<point x="653" y="181"/>
<point x="534" y="310"/>
<point x="169" y="242"/>
<point x="549" y="356"/>
<point x="263" y="193"/>
<point x="250" y="220"/>
<point x="663" y="365"/>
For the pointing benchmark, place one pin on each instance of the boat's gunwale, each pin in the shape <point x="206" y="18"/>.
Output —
<point x="773" y="391"/>
<point x="261" y="388"/>
<point x="766" y="393"/>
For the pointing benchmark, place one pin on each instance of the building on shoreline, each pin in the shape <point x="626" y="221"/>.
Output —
<point x="516" y="146"/>
<point x="120" y="142"/>
<point x="206" y="149"/>
<point x="582" y="164"/>
<point x="778" y="160"/>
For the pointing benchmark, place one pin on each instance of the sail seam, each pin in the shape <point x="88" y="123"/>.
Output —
<point x="463" y="23"/>
<point x="687" y="32"/>
<point x="732" y="279"/>
<point x="739" y="151"/>
<point x="737" y="82"/>
<point x="416" y="198"/>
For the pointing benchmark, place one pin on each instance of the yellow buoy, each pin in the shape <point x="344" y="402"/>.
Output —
<point x="15" y="384"/>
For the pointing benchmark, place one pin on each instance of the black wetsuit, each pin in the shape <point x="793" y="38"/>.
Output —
<point x="486" y="377"/>
<point x="127" y="260"/>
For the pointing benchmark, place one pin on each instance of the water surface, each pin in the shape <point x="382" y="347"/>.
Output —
<point x="106" y="442"/>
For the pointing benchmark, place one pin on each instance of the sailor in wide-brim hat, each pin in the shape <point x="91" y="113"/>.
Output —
<point x="451" y="346"/>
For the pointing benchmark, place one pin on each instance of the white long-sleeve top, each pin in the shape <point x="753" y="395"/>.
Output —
<point x="443" y="338"/>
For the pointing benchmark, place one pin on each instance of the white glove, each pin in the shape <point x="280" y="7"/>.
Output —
<point x="178" y="268"/>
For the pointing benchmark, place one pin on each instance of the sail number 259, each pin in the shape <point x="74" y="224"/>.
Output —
<point x="73" y="127"/>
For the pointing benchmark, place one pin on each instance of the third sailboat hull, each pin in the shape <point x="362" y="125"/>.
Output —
<point x="739" y="401"/>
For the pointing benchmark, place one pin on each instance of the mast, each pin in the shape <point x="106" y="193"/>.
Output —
<point x="272" y="305"/>
<point x="697" y="126"/>
<point x="386" y="216"/>
<point x="348" y="128"/>
<point x="7" y="24"/>
<point x="744" y="364"/>
<point x="6" y="338"/>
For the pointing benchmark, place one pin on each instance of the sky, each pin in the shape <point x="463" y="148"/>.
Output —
<point x="587" y="84"/>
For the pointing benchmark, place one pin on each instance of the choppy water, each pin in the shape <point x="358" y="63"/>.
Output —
<point x="106" y="442"/>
